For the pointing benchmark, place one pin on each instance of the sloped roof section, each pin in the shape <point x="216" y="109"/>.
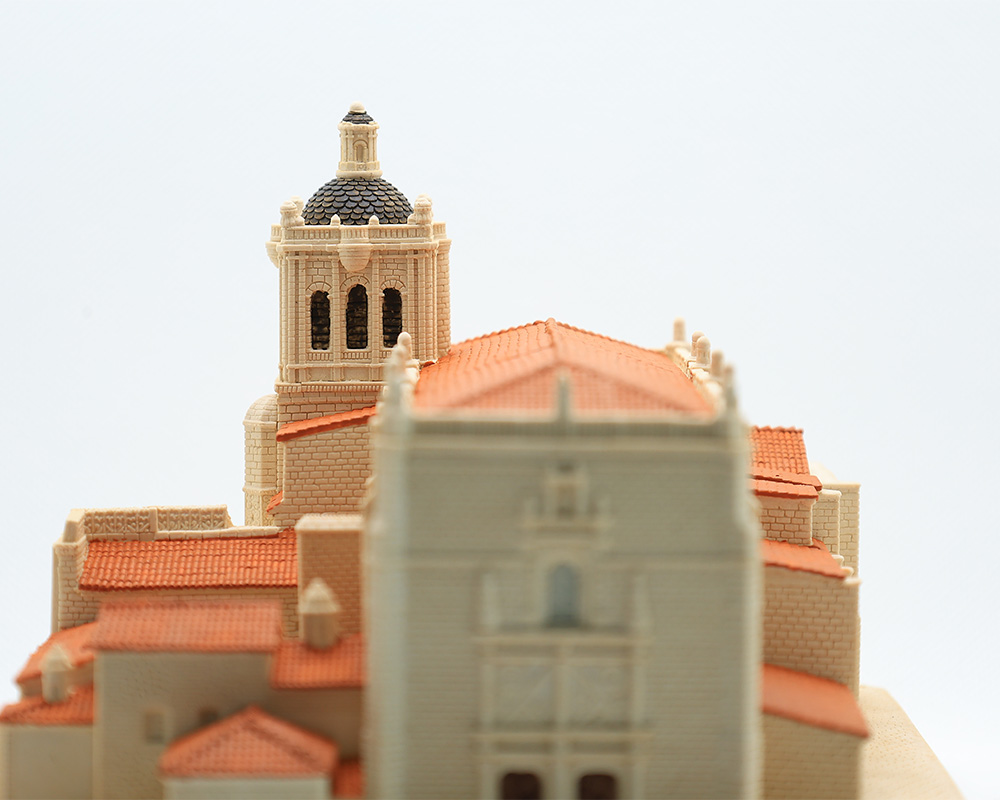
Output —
<point x="815" y="558"/>
<point x="75" y="642"/>
<point x="331" y="422"/>
<point x="517" y="369"/>
<point x="298" y="666"/>
<point x="814" y="701"/>
<point x="189" y="626"/>
<point x="250" y="743"/>
<point x="778" y="450"/>
<point x="789" y="489"/>
<point x="77" y="709"/>
<point x="211" y="563"/>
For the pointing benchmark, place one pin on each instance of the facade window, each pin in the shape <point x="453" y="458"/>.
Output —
<point x="154" y="725"/>
<point x="319" y="314"/>
<point x="359" y="151"/>
<point x="392" y="316"/>
<point x="564" y="597"/>
<point x="357" y="318"/>
<point x="520" y="786"/>
<point x="597" y="787"/>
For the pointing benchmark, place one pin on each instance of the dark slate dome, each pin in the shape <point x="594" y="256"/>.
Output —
<point x="355" y="200"/>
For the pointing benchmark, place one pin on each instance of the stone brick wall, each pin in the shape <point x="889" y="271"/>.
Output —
<point x="298" y="403"/>
<point x="70" y="607"/>
<point x="802" y="762"/>
<point x="334" y="554"/>
<point x="786" y="519"/>
<point x="826" y="519"/>
<point x="261" y="479"/>
<point x="849" y="531"/>
<point x="325" y="472"/>
<point x="811" y="624"/>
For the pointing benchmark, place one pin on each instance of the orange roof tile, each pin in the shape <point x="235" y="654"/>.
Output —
<point x="74" y="641"/>
<point x="77" y="709"/>
<point x="517" y="368"/>
<point x="349" y="782"/>
<point x="175" y="625"/>
<point x="212" y="563"/>
<point x="275" y="501"/>
<point x="250" y="742"/>
<point x="814" y="701"/>
<point x="786" y="477"/>
<point x="784" y="489"/>
<point x="815" y="558"/>
<point x="779" y="449"/>
<point x="298" y="666"/>
<point x="331" y="422"/>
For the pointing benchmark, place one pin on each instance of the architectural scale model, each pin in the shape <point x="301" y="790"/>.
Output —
<point x="538" y="563"/>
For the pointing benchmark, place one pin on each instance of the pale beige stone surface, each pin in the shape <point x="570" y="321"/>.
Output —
<point x="811" y="624"/>
<point x="804" y="762"/>
<point x="246" y="788"/>
<point x="46" y="761"/>
<point x="896" y="762"/>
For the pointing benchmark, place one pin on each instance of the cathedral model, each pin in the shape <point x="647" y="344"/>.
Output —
<point x="540" y="563"/>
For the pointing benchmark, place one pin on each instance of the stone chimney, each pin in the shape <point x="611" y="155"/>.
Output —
<point x="319" y="616"/>
<point x="56" y="669"/>
<point x="329" y="547"/>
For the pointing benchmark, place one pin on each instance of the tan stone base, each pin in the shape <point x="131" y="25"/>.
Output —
<point x="896" y="762"/>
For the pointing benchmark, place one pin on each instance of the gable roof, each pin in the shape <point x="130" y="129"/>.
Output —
<point x="805" y="698"/>
<point x="815" y="558"/>
<point x="75" y="642"/>
<point x="516" y="370"/>
<point x="210" y="563"/>
<point x="176" y="625"/>
<point x="76" y="709"/>
<point x="298" y="666"/>
<point x="250" y="742"/>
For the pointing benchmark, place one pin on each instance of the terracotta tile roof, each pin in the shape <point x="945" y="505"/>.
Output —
<point x="778" y="450"/>
<point x="275" y="501"/>
<point x="331" y="422"/>
<point x="298" y="666"/>
<point x="815" y="558"/>
<point x="349" y="782"/>
<point x="783" y="489"/>
<point x="517" y="368"/>
<point x="814" y="701"/>
<point x="77" y="709"/>
<point x="175" y="625"/>
<point x="74" y="641"/>
<point x="211" y="563"/>
<point x="250" y="742"/>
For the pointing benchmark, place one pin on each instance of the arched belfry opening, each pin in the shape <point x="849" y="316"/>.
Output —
<point x="319" y="317"/>
<point x="356" y="315"/>
<point x="392" y="316"/>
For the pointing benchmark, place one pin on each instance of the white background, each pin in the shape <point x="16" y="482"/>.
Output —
<point x="814" y="185"/>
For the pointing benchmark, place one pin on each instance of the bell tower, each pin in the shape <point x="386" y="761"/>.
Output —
<point x="358" y="265"/>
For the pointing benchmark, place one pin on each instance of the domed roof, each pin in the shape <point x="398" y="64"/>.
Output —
<point x="355" y="201"/>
